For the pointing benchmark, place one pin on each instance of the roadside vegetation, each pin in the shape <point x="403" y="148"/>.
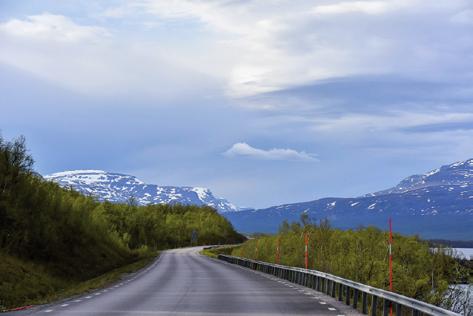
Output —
<point x="213" y="252"/>
<point x="362" y="255"/>
<point x="52" y="239"/>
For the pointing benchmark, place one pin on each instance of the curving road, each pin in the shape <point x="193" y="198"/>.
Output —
<point x="182" y="282"/>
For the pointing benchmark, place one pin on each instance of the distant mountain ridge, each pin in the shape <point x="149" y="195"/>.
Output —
<point x="458" y="174"/>
<point x="437" y="204"/>
<point x="119" y="188"/>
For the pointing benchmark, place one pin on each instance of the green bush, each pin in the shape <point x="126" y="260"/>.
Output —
<point x="361" y="255"/>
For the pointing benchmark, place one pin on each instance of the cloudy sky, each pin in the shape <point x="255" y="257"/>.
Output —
<point x="264" y="102"/>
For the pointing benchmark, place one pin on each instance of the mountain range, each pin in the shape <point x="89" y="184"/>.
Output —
<point x="437" y="204"/>
<point x="119" y="188"/>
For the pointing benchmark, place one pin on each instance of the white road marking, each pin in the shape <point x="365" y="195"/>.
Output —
<point x="77" y="301"/>
<point x="48" y="311"/>
<point x="332" y="309"/>
<point x="64" y="305"/>
<point x="97" y="294"/>
<point x="323" y="303"/>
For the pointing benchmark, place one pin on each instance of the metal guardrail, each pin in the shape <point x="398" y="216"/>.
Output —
<point x="353" y="293"/>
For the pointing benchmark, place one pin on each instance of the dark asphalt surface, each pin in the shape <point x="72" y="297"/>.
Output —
<point x="182" y="282"/>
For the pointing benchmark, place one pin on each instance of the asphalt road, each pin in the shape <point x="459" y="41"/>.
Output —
<point x="182" y="282"/>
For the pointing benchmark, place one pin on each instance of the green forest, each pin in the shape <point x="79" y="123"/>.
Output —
<point x="53" y="238"/>
<point x="362" y="255"/>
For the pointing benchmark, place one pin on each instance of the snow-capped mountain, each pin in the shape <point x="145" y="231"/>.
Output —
<point x="119" y="188"/>
<point x="437" y="204"/>
<point x="457" y="174"/>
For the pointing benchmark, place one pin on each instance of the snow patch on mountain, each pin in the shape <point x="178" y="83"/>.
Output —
<point x="119" y="188"/>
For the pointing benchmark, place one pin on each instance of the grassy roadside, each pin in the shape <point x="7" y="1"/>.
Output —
<point x="24" y="283"/>
<point x="215" y="251"/>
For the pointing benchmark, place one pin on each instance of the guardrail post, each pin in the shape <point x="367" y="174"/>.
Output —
<point x="347" y="297"/>
<point x="340" y="291"/>
<point x="374" y="305"/>
<point x="398" y="309"/>
<point x="364" y="300"/>
<point x="415" y="312"/>
<point x="334" y="287"/>
<point x="355" y="298"/>
<point x="386" y="308"/>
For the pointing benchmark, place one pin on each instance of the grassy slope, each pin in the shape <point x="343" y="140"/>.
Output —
<point x="38" y="286"/>
<point x="214" y="252"/>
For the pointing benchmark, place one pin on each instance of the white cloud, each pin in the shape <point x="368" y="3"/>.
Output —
<point x="367" y="7"/>
<point x="275" y="46"/>
<point x="245" y="150"/>
<point x="52" y="27"/>
<point x="249" y="47"/>
<point x="464" y="17"/>
<point x="94" y="61"/>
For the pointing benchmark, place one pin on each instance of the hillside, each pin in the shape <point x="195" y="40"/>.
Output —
<point x="437" y="204"/>
<point x="59" y="238"/>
